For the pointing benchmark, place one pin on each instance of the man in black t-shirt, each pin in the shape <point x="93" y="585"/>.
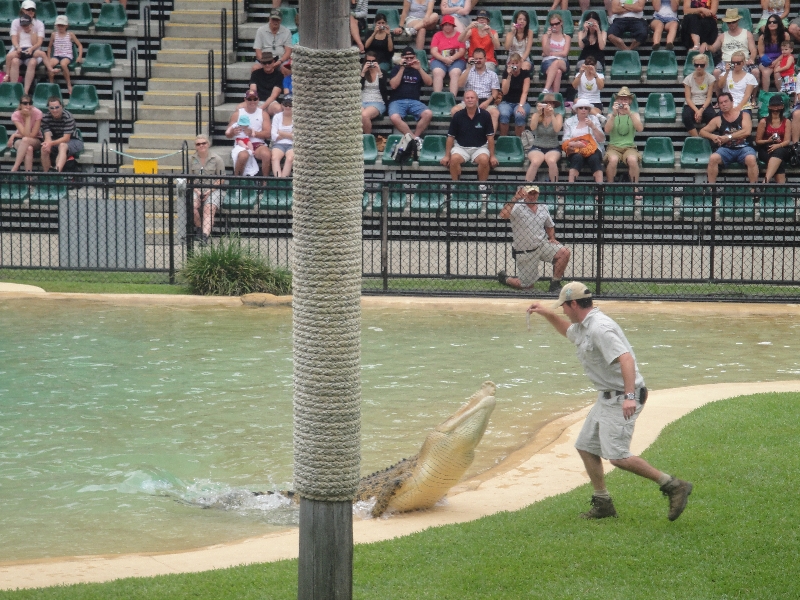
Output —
<point x="406" y="81"/>
<point x="470" y="138"/>
<point x="267" y="82"/>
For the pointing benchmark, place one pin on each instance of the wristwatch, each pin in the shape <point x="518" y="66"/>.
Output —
<point x="630" y="396"/>
<point x="730" y="137"/>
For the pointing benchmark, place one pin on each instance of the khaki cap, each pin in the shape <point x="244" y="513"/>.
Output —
<point x="574" y="290"/>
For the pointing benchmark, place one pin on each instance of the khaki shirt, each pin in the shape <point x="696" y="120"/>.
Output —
<point x="214" y="165"/>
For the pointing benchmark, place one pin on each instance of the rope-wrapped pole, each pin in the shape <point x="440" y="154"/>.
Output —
<point x="328" y="187"/>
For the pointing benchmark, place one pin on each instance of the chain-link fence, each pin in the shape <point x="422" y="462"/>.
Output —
<point x="650" y="240"/>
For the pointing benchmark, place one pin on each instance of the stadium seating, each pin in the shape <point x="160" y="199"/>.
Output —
<point x="370" y="149"/>
<point x="509" y="152"/>
<point x="695" y="154"/>
<point x="422" y="55"/>
<point x="392" y="16"/>
<point x="42" y="92"/>
<point x="779" y="206"/>
<point x="10" y="94"/>
<point x="619" y="201"/>
<point x="386" y="159"/>
<point x="560" y="110"/>
<point x="99" y="57"/>
<point x="79" y="15"/>
<point x="687" y="65"/>
<point x="626" y="65"/>
<point x="496" y="21"/>
<point x="241" y="198"/>
<point x="48" y="193"/>
<point x="46" y="12"/>
<point x="659" y="202"/>
<point x="763" y="104"/>
<point x="3" y="140"/>
<point x="277" y="196"/>
<point x="659" y="153"/>
<point x="440" y="104"/>
<point x="9" y="10"/>
<point x="84" y="100"/>
<point x="734" y="205"/>
<point x="289" y="18"/>
<point x="533" y="22"/>
<point x="433" y="149"/>
<point x="112" y="17"/>
<point x="663" y="66"/>
<point x="696" y="204"/>
<point x="2" y="53"/>
<point x="655" y="112"/>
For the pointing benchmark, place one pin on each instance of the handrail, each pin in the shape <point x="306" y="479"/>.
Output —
<point x="198" y="113"/>
<point x="162" y="27"/>
<point x="235" y="32"/>
<point x="104" y="155"/>
<point x="134" y="85"/>
<point x="185" y="155"/>
<point x="118" y="127"/>
<point x="210" y="96"/>
<point x="223" y="17"/>
<point x="148" y="43"/>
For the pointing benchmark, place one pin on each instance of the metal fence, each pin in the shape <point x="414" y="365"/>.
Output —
<point x="651" y="240"/>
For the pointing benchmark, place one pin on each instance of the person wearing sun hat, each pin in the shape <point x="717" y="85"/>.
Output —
<point x="610" y="364"/>
<point x="534" y="240"/>
<point x="447" y="56"/>
<point x="479" y="34"/>
<point x="583" y="141"/>
<point x="622" y="125"/>
<point x="273" y="37"/>
<point x="773" y="138"/>
<point x="735" y="39"/>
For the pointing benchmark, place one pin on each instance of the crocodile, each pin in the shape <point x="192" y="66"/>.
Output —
<point x="421" y="481"/>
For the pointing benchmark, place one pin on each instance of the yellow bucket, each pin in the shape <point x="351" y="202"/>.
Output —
<point x="143" y="166"/>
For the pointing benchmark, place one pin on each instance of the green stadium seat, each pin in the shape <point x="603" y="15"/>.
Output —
<point x="763" y="104"/>
<point x="619" y="201"/>
<point x="366" y="201"/>
<point x="626" y="65"/>
<point x="654" y="112"/>
<point x="579" y="200"/>
<point x="46" y="12"/>
<point x="600" y="13"/>
<point x="745" y="23"/>
<point x="84" y="100"/>
<point x="79" y="15"/>
<point x="440" y="104"/>
<point x="398" y="197"/>
<point x="689" y="68"/>
<point x="423" y="59"/>
<point x="659" y="153"/>
<point x="392" y="16"/>
<point x="277" y="196"/>
<point x="48" y="193"/>
<point x="695" y="154"/>
<point x="508" y="150"/>
<point x="658" y="202"/>
<point x="386" y="159"/>
<point x="112" y="17"/>
<point x="464" y="199"/>
<point x="370" y="148"/>
<point x="12" y="192"/>
<point x="780" y="206"/>
<point x="560" y="110"/>
<point x="10" y="94"/>
<point x="433" y="150"/>
<point x="663" y="66"/>
<point x="428" y="198"/>
<point x="241" y="198"/>
<point x="289" y="18"/>
<point x="3" y="140"/>
<point x="2" y="53"/>
<point x="99" y="57"/>
<point x="533" y="22"/>
<point x="42" y="92"/>
<point x="736" y="206"/>
<point x="497" y="22"/>
<point x="696" y="203"/>
<point x="568" y="26"/>
<point x="9" y="10"/>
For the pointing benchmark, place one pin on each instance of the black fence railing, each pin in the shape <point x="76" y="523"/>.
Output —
<point x="648" y="241"/>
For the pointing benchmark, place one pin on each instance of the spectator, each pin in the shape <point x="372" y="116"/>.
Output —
<point x="785" y="80"/>
<point x="559" y="5"/>
<point x="534" y="240"/>
<point x="545" y="125"/>
<point x="374" y="93"/>
<point x="28" y="136"/>
<point x="267" y="83"/>
<point x="60" y="143"/>
<point x="621" y="127"/>
<point x="287" y="79"/>
<point x="583" y="140"/>
<point x="204" y="162"/>
<point x="417" y="18"/>
<point x="380" y="41"/>
<point x="515" y="86"/>
<point x="729" y="131"/>
<point x="59" y="51"/>
<point x="406" y="81"/>
<point x="252" y="131"/>
<point x="665" y="17"/>
<point x="27" y="37"/>
<point x="588" y="83"/>
<point x="482" y="37"/>
<point x="699" y="92"/>
<point x="736" y="39"/>
<point x="358" y="21"/>
<point x="273" y="38"/>
<point x="592" y="42"/>
<point x="773" y="139"/>
<point x="699" y="26"/>
<point x="627" y="17"/>
<point x="448" y="54"/>
<point x="470" y="138"/>
<point x="794" y="28"/>
<point x="283" y="140"/>
<point x="555" y="52"/>
<point x="738" y="82"/>
<point x="520" y="38"/>
<point x="460" y="9"/>
<point x="779" y="8"/>
<point x="482" y="81"/>
<point x="769" y="49"/>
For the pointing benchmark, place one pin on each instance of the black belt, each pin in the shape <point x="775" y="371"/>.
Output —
<point x="515" y="252"/>
<point x="642" y="394"/>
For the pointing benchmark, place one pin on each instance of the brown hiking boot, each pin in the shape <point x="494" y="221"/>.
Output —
<point x="601" y="508"/>
<point x="677" y="490"/>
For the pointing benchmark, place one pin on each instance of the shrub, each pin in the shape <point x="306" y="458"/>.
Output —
<point x="230" y="269"/>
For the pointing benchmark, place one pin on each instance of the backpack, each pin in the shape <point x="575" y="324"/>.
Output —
<point x="406" y="150"/>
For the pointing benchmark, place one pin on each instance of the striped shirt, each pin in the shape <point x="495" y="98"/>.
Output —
<point x="59" y="127"/>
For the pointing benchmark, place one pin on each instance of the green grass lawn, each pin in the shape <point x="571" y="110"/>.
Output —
<point x="737" y="539"/>
<point x="94" y="282"/>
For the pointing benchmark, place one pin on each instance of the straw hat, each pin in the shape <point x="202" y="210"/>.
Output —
<point x="552" y="100"/>
<point x="732" y="15"/>
<point x="624" y="92"/>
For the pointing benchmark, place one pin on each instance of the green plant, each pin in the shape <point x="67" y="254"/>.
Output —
<point x="228" y="268"/>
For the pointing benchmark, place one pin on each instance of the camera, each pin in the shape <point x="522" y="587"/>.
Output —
<point x="617" y="105"/>
<point x="776" y="137"/>
<point x="471" y="61"/>
<point x="514" y="68"/>
<point x="541" y="106"/>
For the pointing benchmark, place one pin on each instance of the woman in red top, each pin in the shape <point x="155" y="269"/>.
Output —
<point x="480" y="35"/>
<point x="773" y="139"/>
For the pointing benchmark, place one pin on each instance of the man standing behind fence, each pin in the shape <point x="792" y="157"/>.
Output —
<point x="534" y="240"/>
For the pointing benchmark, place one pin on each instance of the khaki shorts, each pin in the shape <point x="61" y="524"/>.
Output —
<point x="622" y="154"/>
<point x="528" y="263"/>
<point x="605" y="432"/>
<point x="470" y="153"/>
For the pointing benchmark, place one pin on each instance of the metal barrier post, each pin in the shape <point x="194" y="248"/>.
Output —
<point x="198" y="113"/>
<point x="210" y="95"/>
<point x="385" y="236"/>
<point x="223" y="17"/>
<point x="185" y="156"/>
<point x="235" y="32"/>
<point x="170" y="211"/>
<point x="712" y="243"/>
<point x="118" y="127"/>
<point x="148" y="43"/>
<point x="448" y="199"/>
<point x="134" y="85"/>
<point x="598" y="275"/>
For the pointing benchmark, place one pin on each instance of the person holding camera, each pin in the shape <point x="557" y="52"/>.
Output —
<point x="622" y="125"/>
<point x="482" y="81"/>
<point x="729" y="131"/>
<point x="482" y="37"/>
<point x="588" y="83"/>
<point x="374" y="93"/>
<point x="448" y="54"/>
<point x="738" y="82"/>
<point x="773" y="139"/>
<point x="545" y="124"/>
<point x="406" y="81"/>
<point x="592" y="42"/>
<point x="735" y="40"/>
<point x="470" y="138"/>
<point x="380" y="42"/>
<point x="520" y="38"/>
<point x="555" y="53"/>
<point x="27" y="37"/>
<point x="515" y="85"/>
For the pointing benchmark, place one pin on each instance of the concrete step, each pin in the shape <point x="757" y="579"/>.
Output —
<point x="178" y="98"/>
<point x="189" y="5"/>
<point x="168" y="142"/>
<point x="193" y="43"/>
<point x="166" y="84"/>
<point x="142" y="127"/>
<point x="190" y="71"/>
<point x="155" y="112"/>
<point x="211" y="17"/>
<point x="198" y="55"/>
<point x="200" y="30"/>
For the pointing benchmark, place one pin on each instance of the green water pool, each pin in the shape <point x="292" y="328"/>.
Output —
<point x="118" y="424"/>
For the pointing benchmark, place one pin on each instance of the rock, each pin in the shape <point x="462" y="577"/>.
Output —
<point x="258" y="299"/>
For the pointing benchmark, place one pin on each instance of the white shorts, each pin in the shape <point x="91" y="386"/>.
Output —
<point x="213" y="197"/>
<point x="251" y="168"/>
<point x="528" y="263"/>
<point x="470" y="153"/>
